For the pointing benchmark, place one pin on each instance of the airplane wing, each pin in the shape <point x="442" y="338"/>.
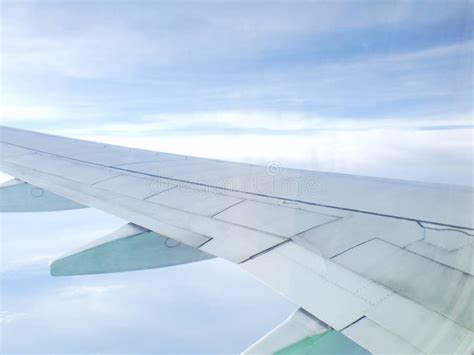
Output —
<point x="386" y="264"/>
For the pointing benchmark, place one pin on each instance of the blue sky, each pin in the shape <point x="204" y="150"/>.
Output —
<point x="207" y="307"/>
<point x="370" y="88"/>
<point x="133" y="60"/>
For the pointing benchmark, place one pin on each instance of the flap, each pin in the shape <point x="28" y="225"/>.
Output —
<point x="298" y="326"/>
<point x="129" y="248"/>
<point x="302" y="334"/>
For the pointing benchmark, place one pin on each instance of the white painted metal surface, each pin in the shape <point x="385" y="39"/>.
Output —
<point x="274" y="219"/>
<point x="426" y="330"/>
<point x="336" y="237"/>
<point x="8" y="150"/>
<point x="461" y="259"/>
<point x="377" y="339"/>
<point x="336" y="295"/>
<point x="66" y="168"/>
<point x="134" y="186"/>
<point x="448" y="239"/>
<point x="196" y="201"/>
<point x="284" y="227"/>
<point x="438" y="287"/>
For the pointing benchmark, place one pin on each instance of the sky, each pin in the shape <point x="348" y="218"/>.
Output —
<point x="360" y="87"/>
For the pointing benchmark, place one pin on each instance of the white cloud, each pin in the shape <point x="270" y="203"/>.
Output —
<point x="30" y="113"/>
<point x="81" y="291"/>
<point x="157" y="60"/>
<point x="48" y="235"/>
<point x="435" y="52"/>
<point x="431" y="149"/>
<point x="380" y="79"/>
<point x="7" y="317"/>
<point x="285" y="122"/>
<point x="110" y="43"/>
<point x="428" y="155"/>
<point x="87" y="314"/>
<point x="33" y="262"/>
<point x="272" y="121"/>
<point x="4" y="177"/>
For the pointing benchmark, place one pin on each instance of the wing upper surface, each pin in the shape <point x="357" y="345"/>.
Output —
<point x="347" y="249"/>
